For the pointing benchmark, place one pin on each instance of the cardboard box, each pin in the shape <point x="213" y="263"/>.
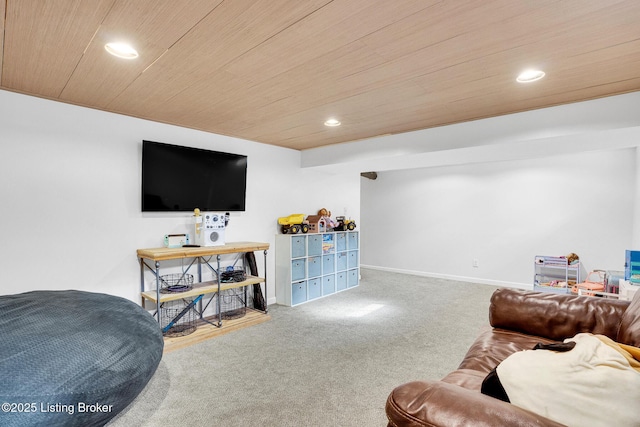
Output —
<point x="627" y="290"/>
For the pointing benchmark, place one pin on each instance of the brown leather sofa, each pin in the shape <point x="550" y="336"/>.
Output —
<point x="519" y="319"/>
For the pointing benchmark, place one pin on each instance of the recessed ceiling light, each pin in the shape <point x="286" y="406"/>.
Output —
<point x="121" y="50"/>
<point x="332" y="122"/>
<point x="530" y="76"/>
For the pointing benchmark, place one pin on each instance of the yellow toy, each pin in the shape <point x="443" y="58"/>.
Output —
<point x="293" y="224"/>
<point x="198" y="221"/>
<point x="345" y="224"/>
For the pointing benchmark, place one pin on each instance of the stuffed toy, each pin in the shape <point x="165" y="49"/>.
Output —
<point x="572" y="258"/>
<point x="326" y="216"/>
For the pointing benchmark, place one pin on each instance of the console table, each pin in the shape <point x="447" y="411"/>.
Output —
<point x="198" y="258"/>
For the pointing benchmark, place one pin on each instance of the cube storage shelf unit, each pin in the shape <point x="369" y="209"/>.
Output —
<point x="555" y="274"/>
<point x="310" y="266"/>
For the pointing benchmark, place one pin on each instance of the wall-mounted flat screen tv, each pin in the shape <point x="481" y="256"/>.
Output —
<point x="180" y="179"/>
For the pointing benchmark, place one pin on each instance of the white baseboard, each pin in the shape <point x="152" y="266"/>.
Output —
<point x="527" y="286"/>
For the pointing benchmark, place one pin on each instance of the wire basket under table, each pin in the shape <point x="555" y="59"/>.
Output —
<point x="233" y="303"/>
<point x="176" y="282"/>
<point x="178" y="318"/>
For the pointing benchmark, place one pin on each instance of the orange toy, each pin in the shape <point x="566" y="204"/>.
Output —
<point x="593" y="282"/>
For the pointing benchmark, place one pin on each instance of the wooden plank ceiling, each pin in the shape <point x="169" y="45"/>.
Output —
<point x="272" y="71"/>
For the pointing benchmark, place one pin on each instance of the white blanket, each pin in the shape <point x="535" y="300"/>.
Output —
<point x="595" y="384"/>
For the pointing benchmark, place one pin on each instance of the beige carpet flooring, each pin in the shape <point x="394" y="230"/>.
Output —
<point x="330" y="362"/>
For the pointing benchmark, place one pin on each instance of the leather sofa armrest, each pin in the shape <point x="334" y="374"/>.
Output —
<point x="555" y="316"/>
<point x="436" y="403"/>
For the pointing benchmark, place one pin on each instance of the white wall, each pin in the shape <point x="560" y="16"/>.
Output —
<point x="70" y="193"/>
<point x="436" y="221"/>
<point x="446" y="196"/>
<point x="611" y="122"/>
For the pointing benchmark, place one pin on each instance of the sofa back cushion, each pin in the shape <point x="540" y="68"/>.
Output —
<point x="629" y="332"/>
<point x="556" y="316"/>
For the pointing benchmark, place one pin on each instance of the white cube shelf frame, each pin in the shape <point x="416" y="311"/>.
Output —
<point x="312" y="266"/>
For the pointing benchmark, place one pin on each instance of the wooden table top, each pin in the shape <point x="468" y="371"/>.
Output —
<point x="161" y="254"/>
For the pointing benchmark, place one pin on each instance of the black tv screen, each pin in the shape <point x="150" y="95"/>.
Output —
<point x="180" y="179"/>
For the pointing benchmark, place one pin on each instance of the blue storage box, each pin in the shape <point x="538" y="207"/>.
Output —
<point x="632" y="266"/>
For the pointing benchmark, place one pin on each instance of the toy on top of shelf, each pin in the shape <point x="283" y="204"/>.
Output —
<point x="293" y="224"/>
<point x="317" y="224"/>
<point x="325" y="214"/>
<point x="320" y="223"/>
<point x="345" y="224"/>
